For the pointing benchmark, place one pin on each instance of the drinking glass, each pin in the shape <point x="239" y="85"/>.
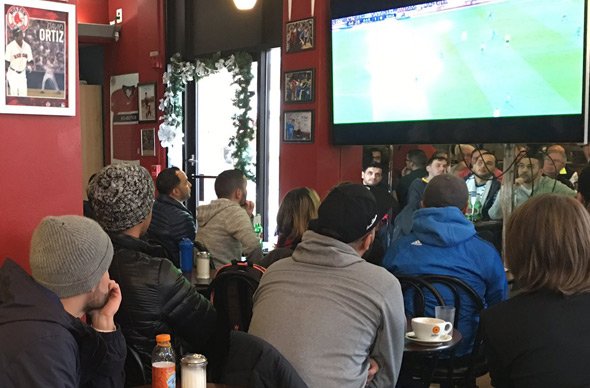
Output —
<point x="446" y="313"/>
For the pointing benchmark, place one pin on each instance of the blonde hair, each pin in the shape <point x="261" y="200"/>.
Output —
<point x="299" y="206"/>
<point x="548" y="245"/>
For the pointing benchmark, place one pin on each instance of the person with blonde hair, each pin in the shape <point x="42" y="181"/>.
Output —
<point x="299" y="206"/>
<point x="540" y="337"/>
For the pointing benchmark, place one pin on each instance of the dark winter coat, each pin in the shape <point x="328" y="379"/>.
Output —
<point x="44" y="346"/>
<point x="157" y="299"/>
<point x="171" y="222"/>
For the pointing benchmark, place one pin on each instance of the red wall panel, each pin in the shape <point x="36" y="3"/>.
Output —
<point x="142" y="32"/>
<point x="93" y="11"/>
<point x="41" y="175"/>
<point x="320" y="165"/>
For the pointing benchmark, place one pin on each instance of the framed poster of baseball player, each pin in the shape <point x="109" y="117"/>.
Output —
<point x="39" y="50"/>
<point x="147" y="102"/>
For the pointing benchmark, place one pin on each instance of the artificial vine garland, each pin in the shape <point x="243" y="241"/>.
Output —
<point x="240" y="66"/>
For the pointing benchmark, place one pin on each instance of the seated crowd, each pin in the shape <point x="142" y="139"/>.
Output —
<point x="329" y="311"/>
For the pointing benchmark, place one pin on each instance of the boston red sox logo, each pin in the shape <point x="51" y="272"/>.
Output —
<point x="17" y="17"/>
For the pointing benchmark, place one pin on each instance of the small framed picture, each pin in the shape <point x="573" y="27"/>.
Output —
<point x="146" y="93"/>
<point x="298" y="126"/>
<point x="148" y="142"/>
<point x="299" y="35"/>
<point x="299" y="86"/>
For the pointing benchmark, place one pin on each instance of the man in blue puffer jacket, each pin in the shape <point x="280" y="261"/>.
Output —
<point x="444" y="242"/>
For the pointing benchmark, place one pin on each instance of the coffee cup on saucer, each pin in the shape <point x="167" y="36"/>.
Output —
<point x="426" y="328"/>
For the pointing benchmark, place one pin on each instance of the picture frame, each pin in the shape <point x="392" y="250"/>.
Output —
<point x="298" y="126"/>
<point x="45" y="83"/>
<point x="146" y="93"/>
<point x="148" y="142"/>
<point x="299" y="86"/>
<point x="300" y="35"/>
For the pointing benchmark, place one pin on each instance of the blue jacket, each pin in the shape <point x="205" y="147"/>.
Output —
<point x="443" y="242"/>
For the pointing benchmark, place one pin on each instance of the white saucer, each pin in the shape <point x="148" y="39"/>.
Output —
<point x="428" y="342"/>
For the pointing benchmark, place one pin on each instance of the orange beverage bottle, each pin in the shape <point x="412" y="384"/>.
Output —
<point x="163" y="363"/>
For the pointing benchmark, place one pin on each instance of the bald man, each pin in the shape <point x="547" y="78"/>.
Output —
<point x="554" y="165"/>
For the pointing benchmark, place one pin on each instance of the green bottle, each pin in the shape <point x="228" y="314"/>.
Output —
<point x="258" y="228"/>
<point x="476" y="215"/>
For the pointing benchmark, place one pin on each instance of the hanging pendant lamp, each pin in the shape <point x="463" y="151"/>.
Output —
<point x="244" y="5"/>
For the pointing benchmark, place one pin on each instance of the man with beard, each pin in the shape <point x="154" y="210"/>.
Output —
<point x="372" y="174"/>
<point x="483" y="182"/>
<point x="529" y="183"/>
<point x="44" y="342"/>
<point x="171" y="220"/>
<point x="224" y="225"/>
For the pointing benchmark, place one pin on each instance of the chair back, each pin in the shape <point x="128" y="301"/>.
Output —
<point x="417" y="289"/>
<point x="473" y="364"/>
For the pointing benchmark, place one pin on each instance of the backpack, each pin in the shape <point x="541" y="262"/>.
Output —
<point x="232" y="290"/>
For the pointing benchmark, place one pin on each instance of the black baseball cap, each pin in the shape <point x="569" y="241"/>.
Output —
<point x="347" y="213"/>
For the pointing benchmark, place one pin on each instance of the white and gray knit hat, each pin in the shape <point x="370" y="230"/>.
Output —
<point x="69" y="254"/>
<point x="121" y="195"/>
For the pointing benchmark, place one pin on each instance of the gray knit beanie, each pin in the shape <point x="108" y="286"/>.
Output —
<point x="121" y="195"/>
<point x="70" y="254"/>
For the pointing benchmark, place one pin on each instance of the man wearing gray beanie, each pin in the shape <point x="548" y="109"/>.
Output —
<point x="44" y="342"/>
<point x="158" y="299"/>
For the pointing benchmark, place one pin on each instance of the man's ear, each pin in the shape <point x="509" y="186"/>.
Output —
<point x="238" y="194"/>
<point x="368" y="240"/>
<point x="422" y="205"/>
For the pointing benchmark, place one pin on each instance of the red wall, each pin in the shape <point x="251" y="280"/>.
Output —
<point x="41" y="175"/>
<point x="142" y="32"/>
<point x="93" y="11"/>
<point x="319" y="165"/>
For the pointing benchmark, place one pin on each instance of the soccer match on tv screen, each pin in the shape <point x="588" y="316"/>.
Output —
<point x="459" y="59"/>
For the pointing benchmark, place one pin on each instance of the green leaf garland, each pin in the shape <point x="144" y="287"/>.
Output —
<point x="240" y="66"/>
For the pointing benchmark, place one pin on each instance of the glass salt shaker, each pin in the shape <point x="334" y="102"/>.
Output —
<point x="194" y="371"/>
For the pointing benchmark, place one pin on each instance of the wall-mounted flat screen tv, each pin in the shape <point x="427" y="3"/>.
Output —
<point x="459" y="71"/>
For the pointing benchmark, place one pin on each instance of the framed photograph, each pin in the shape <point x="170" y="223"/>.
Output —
<point x="298" y="126"/>
<point x="148" y="142"/>
<point x="39" y="47"/>
<point x="299" y="35"/>
<point x="147" y="102"/>
<point x="299" y="86"/>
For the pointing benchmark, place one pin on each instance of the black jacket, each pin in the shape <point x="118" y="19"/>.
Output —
<point x="44" y="346"/>
<point x="171" y="222"/>
<point x="157" y="299"/>
<point x="254" y="363"/>
<point x="404" y="185"/>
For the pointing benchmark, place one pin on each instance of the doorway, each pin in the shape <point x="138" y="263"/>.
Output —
<point x="206" y="150"/>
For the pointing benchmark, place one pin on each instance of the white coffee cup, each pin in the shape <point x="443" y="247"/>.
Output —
<point x="430" y="328"/>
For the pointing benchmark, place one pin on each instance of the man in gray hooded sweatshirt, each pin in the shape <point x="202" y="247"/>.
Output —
<point x="338" y="319"/>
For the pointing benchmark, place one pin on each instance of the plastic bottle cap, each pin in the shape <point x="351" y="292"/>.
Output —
<point x="163" y="338"/>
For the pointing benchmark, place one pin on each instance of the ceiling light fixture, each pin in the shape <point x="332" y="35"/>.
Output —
<point x="244" y="5"/>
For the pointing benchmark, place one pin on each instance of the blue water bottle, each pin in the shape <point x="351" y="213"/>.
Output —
<point x="186" y="255"/>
